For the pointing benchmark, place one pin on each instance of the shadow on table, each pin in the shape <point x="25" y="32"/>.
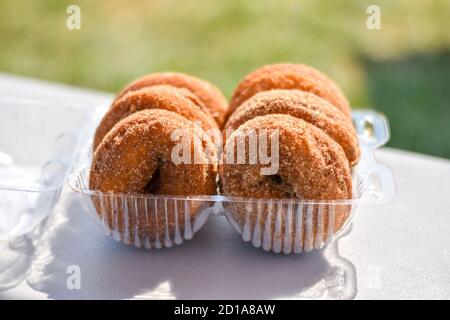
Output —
<point x="413" y="92"/>
<point x="215" y="264"/>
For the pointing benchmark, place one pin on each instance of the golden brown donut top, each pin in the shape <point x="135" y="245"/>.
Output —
<point x="136" y="157"/>
<point x="169" y="98"/>
<point x="311" y="164"/>
<point x="303" y="105"/>
<point x="211" y="96"/>
<point x="289" y="76"/>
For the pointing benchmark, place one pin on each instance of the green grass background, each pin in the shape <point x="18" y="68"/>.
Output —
<point x="402" y="70"/>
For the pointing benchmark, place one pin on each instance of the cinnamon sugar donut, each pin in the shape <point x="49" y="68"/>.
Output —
<point x="289" y="76"/>
<point x="209" y="94"/>
<point x="136" y="158"/>
<point x="312" y="166"/>
<point x="302" y="105"/>
<point x="169" y="98"/>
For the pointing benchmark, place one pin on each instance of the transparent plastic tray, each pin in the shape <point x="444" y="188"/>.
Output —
<point x="41" y="142"/>
<point x="277" y="225"/>
<point x="36" y="155"/>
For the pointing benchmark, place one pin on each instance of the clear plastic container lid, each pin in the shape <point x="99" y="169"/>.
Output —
<point x="42" y="142"/>
<point x="39" y="142"/>
<point x="277" y="225"/>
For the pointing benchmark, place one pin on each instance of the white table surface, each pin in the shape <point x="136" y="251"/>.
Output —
<point x="397" y="250"/>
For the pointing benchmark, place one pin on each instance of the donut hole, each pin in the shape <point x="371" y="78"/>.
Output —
<point x="155" y="182"/>
<point x="284" y="188"/>
<point x="275" y="178"/>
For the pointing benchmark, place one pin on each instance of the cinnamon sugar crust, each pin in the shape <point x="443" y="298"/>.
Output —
<point x="169" y="98"/>
<point x="141" y="144"/>
<point x="312" y="166"/>
<point x="134" y="158"/>
<point x="289" y="76"/>
<point x="209" y="94"/>
<point x="305" y="106"/>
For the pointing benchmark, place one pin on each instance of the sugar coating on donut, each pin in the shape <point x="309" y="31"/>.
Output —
<point x="211" y="96"/>
<point x="305" y="106"/>
<point x="289" y="76"/>
<point x="178" y="100"/>
<point x="312" y="167"/>
<point x="135" y="158"/>
<point x="311" y="164"/>
<point x="140" y="145"/>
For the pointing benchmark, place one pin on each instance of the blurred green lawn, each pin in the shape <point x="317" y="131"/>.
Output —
<point x="402" y="69"/>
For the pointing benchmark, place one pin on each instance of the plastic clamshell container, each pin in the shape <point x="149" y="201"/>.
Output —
<point x="277" y="225"/>
<point x="36" y="156"/>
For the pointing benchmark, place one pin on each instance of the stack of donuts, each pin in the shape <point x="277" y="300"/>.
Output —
<point x="317" y="143"/>
<point x="318" y="146"/>
<point x="133" y="151"/>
